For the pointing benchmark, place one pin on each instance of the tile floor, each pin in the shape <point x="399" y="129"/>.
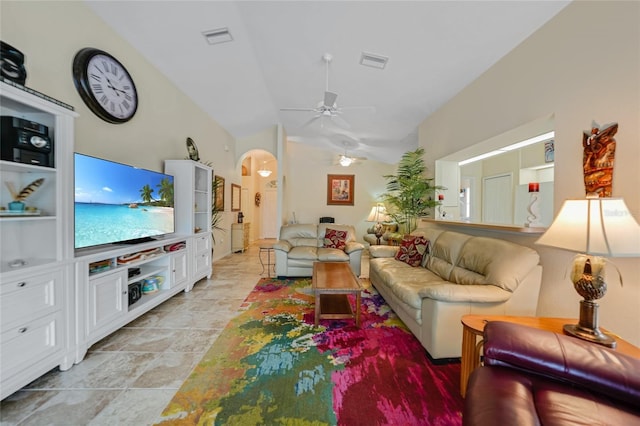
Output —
<point x="130" y="376"/>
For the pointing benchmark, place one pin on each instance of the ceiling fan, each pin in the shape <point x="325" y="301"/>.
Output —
<point x="327" y="108"/>
<point x="345" y="160"/>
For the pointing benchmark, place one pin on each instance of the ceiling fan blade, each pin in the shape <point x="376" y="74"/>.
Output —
<point x="368" y="108"/>
<point x="330" y="99"/>
<point x="339" y="121"/>
<point x="297" y="109"/>
<point x="311" y="120"/>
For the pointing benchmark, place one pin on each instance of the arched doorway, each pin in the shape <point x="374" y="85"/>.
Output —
<point x="260" y="193"/>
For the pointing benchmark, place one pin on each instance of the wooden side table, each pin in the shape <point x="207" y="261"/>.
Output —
<point x="395" y="239"/>
<point x="473" y="326"/>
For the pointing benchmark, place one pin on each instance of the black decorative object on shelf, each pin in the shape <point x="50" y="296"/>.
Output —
<point x="12" y="63"/>
<point x="192" y="149"/>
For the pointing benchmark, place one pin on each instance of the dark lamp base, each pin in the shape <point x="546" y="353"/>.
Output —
<point x="587" y="327"/>
<point x="377" y="229"/>
<point x="592" y="335"/>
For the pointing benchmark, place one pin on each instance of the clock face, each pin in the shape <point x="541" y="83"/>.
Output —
<point x="105" y="85"/>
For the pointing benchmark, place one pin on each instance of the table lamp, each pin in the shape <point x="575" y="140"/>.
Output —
<point x="378" y="214"/>
<point x="593" y="227"/>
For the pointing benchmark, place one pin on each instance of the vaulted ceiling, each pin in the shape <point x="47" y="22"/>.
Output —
<point x="275" y="60"/>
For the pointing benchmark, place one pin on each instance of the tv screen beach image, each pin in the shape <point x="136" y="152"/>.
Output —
<point x="115" y="202"/>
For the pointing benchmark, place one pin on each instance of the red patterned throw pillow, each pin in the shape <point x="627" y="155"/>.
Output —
<point x="335" y="239"/>
<point x="412" y="250"/>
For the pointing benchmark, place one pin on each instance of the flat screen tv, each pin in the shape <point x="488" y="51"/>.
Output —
<point x="120" y="204"/>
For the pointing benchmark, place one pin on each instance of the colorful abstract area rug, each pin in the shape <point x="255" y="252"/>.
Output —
<point x="272" y="366"/>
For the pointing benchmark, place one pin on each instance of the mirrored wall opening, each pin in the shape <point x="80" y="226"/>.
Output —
<point x="505" y="180"/>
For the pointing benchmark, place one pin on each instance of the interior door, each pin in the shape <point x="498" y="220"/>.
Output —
<point x="497" y="199"/>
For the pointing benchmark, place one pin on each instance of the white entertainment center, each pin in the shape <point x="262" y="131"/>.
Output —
<point x="55" y="301"/>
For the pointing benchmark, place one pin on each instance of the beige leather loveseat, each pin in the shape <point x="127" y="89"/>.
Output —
<point x="461" y="274"/>
<point x="300" y="245"/>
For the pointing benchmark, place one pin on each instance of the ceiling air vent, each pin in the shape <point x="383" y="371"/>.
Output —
<point x="220" y="35"/>
<point x="375" y="61"/>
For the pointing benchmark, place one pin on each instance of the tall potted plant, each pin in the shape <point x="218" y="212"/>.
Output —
<point x="216" y="215"/>
<point x="410" y="192"/>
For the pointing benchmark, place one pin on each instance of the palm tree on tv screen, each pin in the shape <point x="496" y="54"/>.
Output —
<point x="145" y="193"/>
<point x="166" y="192"/>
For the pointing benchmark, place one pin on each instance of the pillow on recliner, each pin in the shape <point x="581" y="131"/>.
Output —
<point x="335" y="239"/>
<point x="412" y="250"/>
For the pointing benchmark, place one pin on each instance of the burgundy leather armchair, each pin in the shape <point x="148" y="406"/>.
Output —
<point x="535" y="377"/>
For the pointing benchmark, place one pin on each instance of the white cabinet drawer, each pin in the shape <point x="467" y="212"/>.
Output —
<point x="24" y="345"/>
<point x="31" y="297"/>
<point x="203" y="261"/>
<point x="202" y="243"/>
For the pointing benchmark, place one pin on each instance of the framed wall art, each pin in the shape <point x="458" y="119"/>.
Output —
<point x="340" y="190"/>
<point x="235" y="197"/>
<point x="549" y="151"/>
<point x="218" y="193"/>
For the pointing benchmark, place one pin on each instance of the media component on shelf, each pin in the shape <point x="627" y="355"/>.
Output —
<point x="25" y="141"/>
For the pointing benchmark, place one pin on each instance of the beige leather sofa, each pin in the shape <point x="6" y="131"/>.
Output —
<point x="300" y="245"/>
<point x="460" y="275"/>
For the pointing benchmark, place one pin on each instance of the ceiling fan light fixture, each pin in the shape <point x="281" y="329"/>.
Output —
<point x="345" y="161"/>
<point x="374" y="61"/>
<point x="217" y="36"/>
<point x="264" y="172"/>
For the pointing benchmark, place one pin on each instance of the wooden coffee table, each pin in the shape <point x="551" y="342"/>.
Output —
<point x="473" y="326"/>
<point x="332" y="282"/>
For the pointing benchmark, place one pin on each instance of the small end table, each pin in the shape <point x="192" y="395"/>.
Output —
<point x="395" y="239"/>
<point x="473" y="326"/>
<point x="268" y="249"/>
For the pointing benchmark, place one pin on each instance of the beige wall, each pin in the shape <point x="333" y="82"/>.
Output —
<point x="307" y="184"/>
<point x="165" y="117"/>
<point x="583" y="65"/>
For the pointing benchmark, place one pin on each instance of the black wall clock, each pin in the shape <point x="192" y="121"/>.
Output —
<point x="105" y="85"/>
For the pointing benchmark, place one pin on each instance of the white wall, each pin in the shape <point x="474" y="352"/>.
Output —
<point x="581" y="66"/>
<point x="50" y="34"/>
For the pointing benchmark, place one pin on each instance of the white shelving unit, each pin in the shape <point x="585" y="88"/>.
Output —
<point x="193" y="197"/>
<point x="36" y="252"/>
<point x="54" y="304"/>
<point x="103" y="294"/>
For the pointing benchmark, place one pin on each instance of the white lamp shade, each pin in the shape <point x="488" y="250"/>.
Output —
<point x="595" y="226"/>
<point x="378" y="214"/>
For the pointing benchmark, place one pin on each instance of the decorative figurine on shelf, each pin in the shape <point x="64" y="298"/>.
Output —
<point x="597" y="160"/>
<point x="192" y="149"/>
<point x="533" y="219"/>
<point x="442" y="214"/>
<point x="18" y="197"/>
